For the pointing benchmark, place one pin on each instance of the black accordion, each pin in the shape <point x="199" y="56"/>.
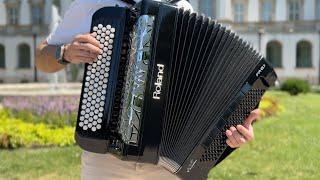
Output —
<point x="166" y="87"/>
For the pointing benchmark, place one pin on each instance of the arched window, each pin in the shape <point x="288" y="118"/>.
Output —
<point x="2" y="57"/>
<point x="274" y="53"/>
<point x="24" y="56"/>
<point x="208" y="7"/>
<point x="304" y="54"/>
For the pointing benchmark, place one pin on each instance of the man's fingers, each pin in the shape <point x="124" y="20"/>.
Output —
<point x="245" y="132"/>
<point x="237" y="136"/>
<point x="230" y="143"/>
<point x="253" y="115"/>
<point x="88" y="47"/>
<point x="83" y="59"/>
<point x="85" y="54"/>
<point x="87" y="38"/>
<point x="231" y="138"/>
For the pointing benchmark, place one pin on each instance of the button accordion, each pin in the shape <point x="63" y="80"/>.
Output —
<point x="166" y="87"/>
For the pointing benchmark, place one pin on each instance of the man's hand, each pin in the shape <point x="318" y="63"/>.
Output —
<point x="240" y="135"/>
<point x="84" y="49"/>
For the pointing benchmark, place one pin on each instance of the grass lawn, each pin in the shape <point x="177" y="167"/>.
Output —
<point x="286" y="146"/>
<point x="46" y="163"/>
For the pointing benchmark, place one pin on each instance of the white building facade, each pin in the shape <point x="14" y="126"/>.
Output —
<point x="287" y="32"/>
<point x="23" y="25"/>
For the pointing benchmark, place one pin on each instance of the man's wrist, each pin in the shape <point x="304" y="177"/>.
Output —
<point x="60" y="55"/>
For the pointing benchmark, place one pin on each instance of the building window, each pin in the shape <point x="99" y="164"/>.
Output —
<point x="274" y="53"/>
<point x="304" y="54"/>
<point x="37" y="14"/>
<point x="238" y="12"/>
<point x="318" y="9"/>
<point x="2" y="57"/>
<point x="208" y="7"/>
<point x="266" y="10"/>
<point x="295" y="9"/>
<point x="13" y="15"/>
<point x="24" y="56"/>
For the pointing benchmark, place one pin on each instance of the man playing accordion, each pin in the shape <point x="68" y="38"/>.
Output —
<point x="71" y="42"/>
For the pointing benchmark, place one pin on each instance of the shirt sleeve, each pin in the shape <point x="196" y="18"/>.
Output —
<point x="184" y="4"/>
<point x="72" y="24"/>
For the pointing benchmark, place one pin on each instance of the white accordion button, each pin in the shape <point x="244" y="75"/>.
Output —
<point x="113" y="30"/>
<point x="104" y="29"/>
<point x="100" y="26"/>
<point x="95" y="28"/>
<point x="80" y="124"/>
<point x="99" y="126"/>
<point x="108" y="26"/>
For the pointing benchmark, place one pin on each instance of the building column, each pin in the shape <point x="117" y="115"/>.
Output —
<point x="281" y="10"/>
<point x="253" y="16"/>
<point x="225" y="10"/>
<point x="25" y="14"/>
<point x="309" y="8"/>
<point x="3" y="14"/>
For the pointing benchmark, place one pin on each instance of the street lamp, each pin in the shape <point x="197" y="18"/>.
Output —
<point x="319" y="58"/>
<point x="261" y="31"/>
<point x="35" y="76"/>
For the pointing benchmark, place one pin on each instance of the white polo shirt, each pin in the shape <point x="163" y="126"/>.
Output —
<point x="77" y="19"/>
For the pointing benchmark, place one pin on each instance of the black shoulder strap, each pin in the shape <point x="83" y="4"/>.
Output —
<point x="131" y="2"/>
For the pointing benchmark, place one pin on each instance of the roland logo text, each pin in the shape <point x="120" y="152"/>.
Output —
<point x="158" y="83"/>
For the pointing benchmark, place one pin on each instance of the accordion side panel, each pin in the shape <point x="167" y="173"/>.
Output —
<point x="98" y="94"/>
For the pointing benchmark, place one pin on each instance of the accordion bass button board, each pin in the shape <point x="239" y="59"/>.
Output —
<point x="167" y="86"/>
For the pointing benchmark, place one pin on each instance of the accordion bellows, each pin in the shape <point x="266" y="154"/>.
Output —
<point x="167" y="87"/>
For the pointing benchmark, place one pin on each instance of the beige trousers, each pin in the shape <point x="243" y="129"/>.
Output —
<point x="109" y="167"/>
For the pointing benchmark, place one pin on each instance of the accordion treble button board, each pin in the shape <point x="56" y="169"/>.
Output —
<point x="97" y="74"/>
<point x="100" y="77"/>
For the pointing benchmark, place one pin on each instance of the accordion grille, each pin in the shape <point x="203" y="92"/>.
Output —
<point x="218" y="146"/>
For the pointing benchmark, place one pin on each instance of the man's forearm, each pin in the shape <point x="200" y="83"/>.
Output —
<point x="45" y="58"/>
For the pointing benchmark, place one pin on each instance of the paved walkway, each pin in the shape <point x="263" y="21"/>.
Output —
<point x="35" y="89"/>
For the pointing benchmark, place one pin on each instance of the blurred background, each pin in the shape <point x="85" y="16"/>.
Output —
<point x="38" y="111"/>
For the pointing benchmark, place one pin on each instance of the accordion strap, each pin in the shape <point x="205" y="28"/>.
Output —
<point x="132" y="2"/>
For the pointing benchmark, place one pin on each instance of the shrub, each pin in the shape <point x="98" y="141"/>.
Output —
<point x="295" y="86"/>
<point x="54" y="110"/>
<point x="270" y="106"/>
<point x="15" y="133"/>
